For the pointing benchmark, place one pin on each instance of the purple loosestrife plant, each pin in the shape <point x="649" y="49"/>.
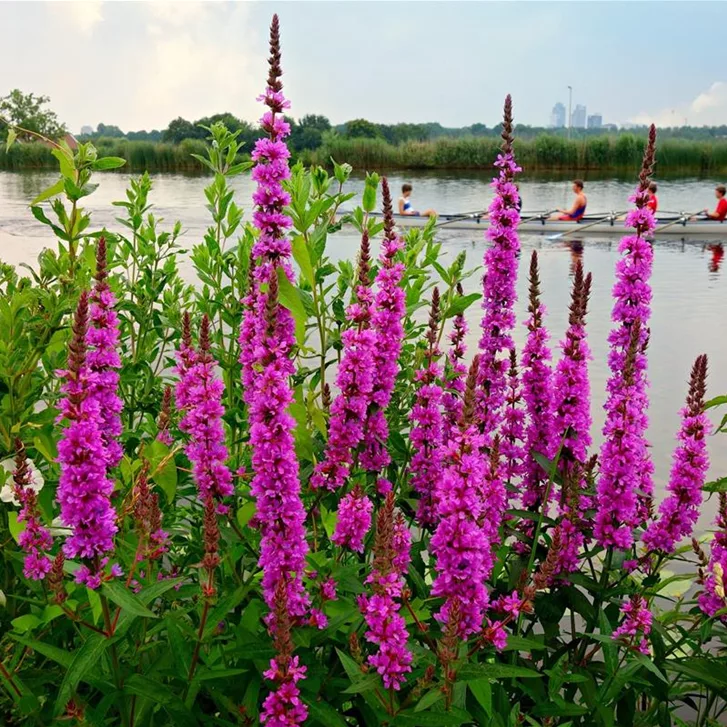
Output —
<point x="460" y="545"/>
<point x="537" y="385"/>
<point x="35" y="539"/>
<point x="513" y="426"/>
<point x="386" y="626"/>
<point x="679" y="512"/>
<point x="354" y="520"/>
<point x="636" y="625"/>
<point x="572" y="420"/>
<point x="187" y="357"/>
<point x="355" y="380"/>
<point x="103" y="359"/>
<point x="499" y="294"/>
<point x="84" y="489"/>
<point x="455" y="373"/>
<point x="165" y="418"/>
<point x="427" y="429"/>
<point x="202" y="392"/>
<point x="626" y="467"/>
<point x="276" y="484"/>
<point x="387" y="322"/>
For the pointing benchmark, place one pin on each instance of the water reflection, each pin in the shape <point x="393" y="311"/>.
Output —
<point x="717" y="254"/>
<point x="576" y="253"/>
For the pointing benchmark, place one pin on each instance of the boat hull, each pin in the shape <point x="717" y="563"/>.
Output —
<point x="696" y="228"/>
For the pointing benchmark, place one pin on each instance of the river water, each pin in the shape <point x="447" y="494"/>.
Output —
<point x="689" y="283"/>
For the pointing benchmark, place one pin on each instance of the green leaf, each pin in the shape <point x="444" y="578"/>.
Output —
<point x="108" y="163"/>
<point x="163" y="468"/>
<point x="60" y="656"/>
<point x="301" y="255"/>
<point x="717" y="401"/>
<point x="460" y="304"/>
<point x="121" y="596"/>
<point x="430" y="698"/>
<point x="12" y="136"/>
<point x="84" y="660"/>
<point x="482" y="691"/>
<point x="25" y="623"/>
<point x="435" y="719"/>
<point x="51" y="191"/>
<point x="520" y="643"/>
<point x="472" y="672"/>
<point x="719" y="485"/>
<point x="353" y="670"/>
<point x="14" y="525"/>
<point x="703" y="671"/>
<point x="159" y="693"/>
<point x="324" y="714"/>
<point x="222" y="610"/>
<point x="368" y="683"/>
<point x="65" y="160"/>
<point x="245" y="513"/>
<point x="290" y="299"/>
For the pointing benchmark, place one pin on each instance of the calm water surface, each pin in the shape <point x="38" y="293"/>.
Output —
<point x="690" y="288"/>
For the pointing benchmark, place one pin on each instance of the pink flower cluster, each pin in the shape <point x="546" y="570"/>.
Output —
<point x="714" y="598"/>
<point x="636" y="625"/>
<point x="84" y="488"/>
<point x="355" y="381"/>
<point x="354" y="520"/>
<point x="387" y="322"/>
<point x="679" y="512"/>
<point x="455" y="374"/>
<point x="386" y="626"/>
<point x="201" y="391"/>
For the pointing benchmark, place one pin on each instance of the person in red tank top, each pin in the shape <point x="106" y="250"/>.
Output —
<point x="720" y="211"/>
<point x="653" y="201"/>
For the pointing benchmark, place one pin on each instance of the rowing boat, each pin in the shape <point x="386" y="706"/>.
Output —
<point x="674" y="225"/>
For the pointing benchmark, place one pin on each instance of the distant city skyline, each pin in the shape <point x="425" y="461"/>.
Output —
<point x="138" y="65"/>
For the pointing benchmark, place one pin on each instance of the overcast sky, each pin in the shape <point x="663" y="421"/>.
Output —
<point x="140" y="64"/>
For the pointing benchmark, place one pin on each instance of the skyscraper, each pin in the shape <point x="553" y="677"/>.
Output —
<point x="557" y="116"/>
<point x="579" y="117"/>
<point x="595" y="121"/>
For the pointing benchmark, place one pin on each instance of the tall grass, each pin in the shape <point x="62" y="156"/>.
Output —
<point x="544" y="153"/>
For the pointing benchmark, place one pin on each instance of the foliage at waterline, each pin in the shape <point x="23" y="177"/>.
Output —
<point x="288" y="496"/>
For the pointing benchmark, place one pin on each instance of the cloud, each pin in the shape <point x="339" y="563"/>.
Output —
<point x="81" y="15"/>
<point x="708" y="108"/>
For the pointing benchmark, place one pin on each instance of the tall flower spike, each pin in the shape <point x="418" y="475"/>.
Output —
<point x="202" y="392"/>
<point x="679" y="512"/>
<point x="537" y="382"/>
<point x="103" y="358"/>
<point x="461" y="546"/>
<point x="283" y="707"/>
<point x="572" y="419"/>
<point x="268" y="339"/>
<point x="427" y="429"/>
<point x="355" y="381"/>
<point x="387" y="317"/>
<point x="386" y="626"/>
<point x="714" y="597"/>
<point x="354" y="520"/>
<point x="626" y="468"/>
<point x="187" y="357"/>
<point x="513" y="427"/>
<point x="35" y="539"/>
<point x="165" y="418"/>
<point x="499" y="296"/>
<point x="84" y="489"/>
<point x="455" y="372"/>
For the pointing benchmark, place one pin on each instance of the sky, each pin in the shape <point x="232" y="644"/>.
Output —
<point x="140" y="64"/>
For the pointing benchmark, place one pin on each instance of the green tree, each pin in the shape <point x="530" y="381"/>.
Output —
<point x="110" y="131"/>
<point x="363" y="129"/>
<point x="178" y="130"/>
<point x="27" y="111"/>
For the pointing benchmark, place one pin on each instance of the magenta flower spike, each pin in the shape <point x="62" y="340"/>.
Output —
<point x="626" y="466"/>
<point x="386" y="626"/>
<point x="103" y="358"/>
<point x="499" y="296"/>
<point x="679" y="512"/>
<point x="84" y="489"/>
<point x="455" y="373"/>
<point x="636" y="625"/>
<point x="537" y="387"/>
<point x="202" y="391"/>
<point x="355" y="381"/>
<point x="572" y="420"/>
<point x="354" y="520"/>
<point x="462" y="541"/>
<point x="387" y="317"/>
<point x="269" y="338"/>
<point x="427" y="425"/>
<point x="35" y="539"/>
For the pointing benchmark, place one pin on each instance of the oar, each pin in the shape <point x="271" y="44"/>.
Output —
<point x="540" y="216"/>
<point x="463" y="216"/>
<point x="684" y="217"/>
<point x="613" y="216"/>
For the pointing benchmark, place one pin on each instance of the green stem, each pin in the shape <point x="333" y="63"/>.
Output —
<point x="118" y="681"/>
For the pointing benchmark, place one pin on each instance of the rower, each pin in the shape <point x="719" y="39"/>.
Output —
<point x="406" y="207"/>
<point x="576" y="212"/>
<point x="653" y="202"/>
<point x="720" y="211"/>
